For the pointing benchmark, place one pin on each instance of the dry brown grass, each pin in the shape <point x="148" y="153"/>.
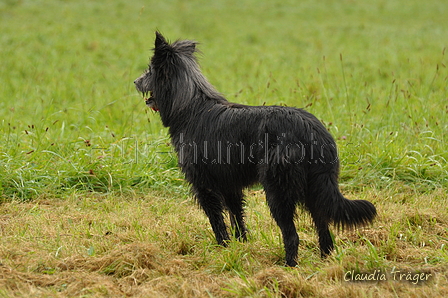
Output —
<point x="153" y="246"/>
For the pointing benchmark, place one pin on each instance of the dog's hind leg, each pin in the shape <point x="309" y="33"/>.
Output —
<point x="212" y="204"/>
<point x="234" y="202"/>
<point x="319" y="204"/>
<point x="283" y="207"/>
<point x="325" y="241"/>
<point x="327" y="205"/>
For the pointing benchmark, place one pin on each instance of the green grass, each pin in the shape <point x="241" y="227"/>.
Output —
<point x="76" y="138"/>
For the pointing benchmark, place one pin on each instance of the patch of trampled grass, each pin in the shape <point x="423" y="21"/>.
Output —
<point x="101" y="246"/>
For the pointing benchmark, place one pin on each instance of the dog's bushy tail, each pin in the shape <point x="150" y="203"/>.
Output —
<point x="342" y="212"/>
<point x="348" y="214"/>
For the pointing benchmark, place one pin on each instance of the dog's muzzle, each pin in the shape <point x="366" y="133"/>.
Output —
<point x="150" y="102"/>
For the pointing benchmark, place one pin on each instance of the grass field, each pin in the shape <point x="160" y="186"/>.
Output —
<point x="93" y="205"/>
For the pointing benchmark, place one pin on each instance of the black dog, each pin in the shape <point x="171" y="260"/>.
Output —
<point x="224" y="147"/>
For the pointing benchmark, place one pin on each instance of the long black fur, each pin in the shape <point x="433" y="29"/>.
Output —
<point x="224" y="147"/>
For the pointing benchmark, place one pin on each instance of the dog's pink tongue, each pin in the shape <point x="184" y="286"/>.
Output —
<point x="155" y="109"/>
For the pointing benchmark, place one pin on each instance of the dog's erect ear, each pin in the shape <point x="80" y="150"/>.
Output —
<point x="191" y="47"/>
<point x="160" y="40"/>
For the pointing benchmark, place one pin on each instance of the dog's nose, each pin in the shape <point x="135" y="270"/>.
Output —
<point x="135" y="81"/>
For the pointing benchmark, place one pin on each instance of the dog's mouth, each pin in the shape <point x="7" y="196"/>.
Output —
<point x="150" y="102"/>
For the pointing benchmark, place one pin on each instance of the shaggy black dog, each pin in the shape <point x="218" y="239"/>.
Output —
<point x="224" y="147"/>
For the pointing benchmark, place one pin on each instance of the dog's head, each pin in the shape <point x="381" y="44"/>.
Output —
<point x="143" y="84"/>
<point x="173" y="83"/>
<point x="165" y="66"/>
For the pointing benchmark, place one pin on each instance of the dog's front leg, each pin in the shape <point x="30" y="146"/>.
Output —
<point x="211" y="203"/>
